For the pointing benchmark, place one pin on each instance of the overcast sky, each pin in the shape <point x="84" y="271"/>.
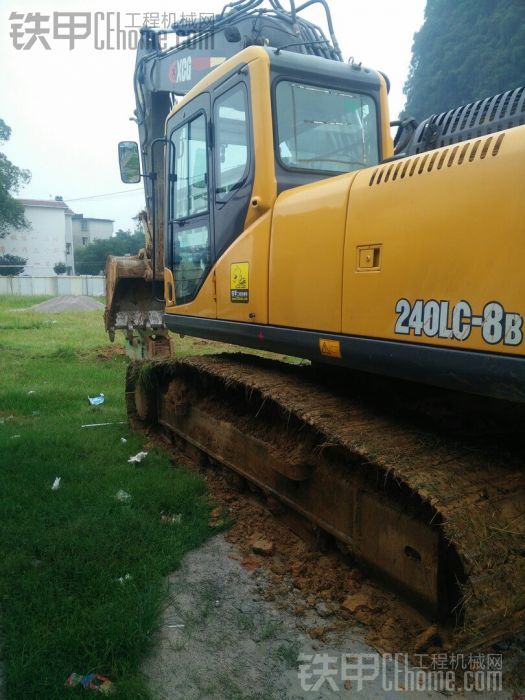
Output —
<point x="69" y="108"/>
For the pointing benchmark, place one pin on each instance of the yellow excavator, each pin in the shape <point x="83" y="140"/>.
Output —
<point x="282" y="216"/>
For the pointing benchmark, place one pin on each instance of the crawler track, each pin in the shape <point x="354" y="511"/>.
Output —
<point x="424" y="488"/>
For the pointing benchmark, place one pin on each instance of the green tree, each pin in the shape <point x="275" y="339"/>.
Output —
<point x="60" y="268"/>
<point x="463" y="52"/>
<point x="91" y="260"/>
<point x="11" y="179"/>
<point x="11" y="265"/>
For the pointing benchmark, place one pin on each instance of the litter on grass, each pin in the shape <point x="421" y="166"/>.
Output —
<point x="97" y="400"/>
<point x="5" y="420"/>
<point x="14" y="437"/>
<point x="56" y="484"/>
<point x="123" y="579"/>
<point x="99" y="425"/>
<point x="170" y="519"/>
<point x="91" y="681"/>
<point x="136" y="459"/>
<point x="30" y="392"/>
<point x="123" y="441"/>
<point x="123" y="496"/>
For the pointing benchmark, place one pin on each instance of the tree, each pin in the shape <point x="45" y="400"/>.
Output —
<point x="91" y="260"/>
<point x="463" y="52"/>
<point x="11" y="265"/>
<point x="11" y="179"/>
<point x="60" y="268"/>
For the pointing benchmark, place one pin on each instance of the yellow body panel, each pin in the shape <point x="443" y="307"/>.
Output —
<point x="306" y="255"/>
<point x="386" y="132"/>
<point x="447" y="232"/>
<point x="264" y="186"/>
<point x="250" y="251"/>
<point x="205" y="303"/>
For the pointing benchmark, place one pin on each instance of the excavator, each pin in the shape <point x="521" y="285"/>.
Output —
<point x="282" y="217"/>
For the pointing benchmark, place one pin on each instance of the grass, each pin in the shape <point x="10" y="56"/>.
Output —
<point x="62" y="552"/>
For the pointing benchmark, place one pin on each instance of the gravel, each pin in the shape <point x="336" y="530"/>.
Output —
<point x="66" y="303"/>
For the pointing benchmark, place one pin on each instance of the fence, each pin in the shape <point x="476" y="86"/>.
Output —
<point x="53" y="286"/>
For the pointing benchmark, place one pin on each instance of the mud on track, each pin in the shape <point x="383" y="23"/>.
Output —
<point x="467" y="490"/>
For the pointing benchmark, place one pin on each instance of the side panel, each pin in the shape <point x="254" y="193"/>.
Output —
<point x="444" y="235"/>
<point x="242" y="276"/>
<point x="306" y="255"/>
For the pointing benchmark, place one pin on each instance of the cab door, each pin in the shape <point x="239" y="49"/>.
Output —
<point x="189" y="215"/>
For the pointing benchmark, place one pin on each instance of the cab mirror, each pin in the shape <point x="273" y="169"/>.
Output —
<point x="129" y="162"/>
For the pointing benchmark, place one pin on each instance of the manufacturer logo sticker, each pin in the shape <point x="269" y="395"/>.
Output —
<point x="240" y="283"/>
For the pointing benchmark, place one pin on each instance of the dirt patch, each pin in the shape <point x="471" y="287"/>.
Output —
<point x="222" y="637"/>
<point x="67" y="303"/>
<point x="111" y="351"/>
<point x="259" y="595"/>
<point x="325" y="583"/>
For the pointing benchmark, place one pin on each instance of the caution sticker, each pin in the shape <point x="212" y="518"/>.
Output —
<point x="330" y="348"/>
<point x="240" y="283"/>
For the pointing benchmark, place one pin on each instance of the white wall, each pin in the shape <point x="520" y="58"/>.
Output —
<point x="53" y="286"/>
<point x="70" y="252"/>
<point x="43" y="244"/>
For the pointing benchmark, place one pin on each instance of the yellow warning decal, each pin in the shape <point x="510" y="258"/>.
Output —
<point x="240" y="283"/>
<point x="330" y="348"/>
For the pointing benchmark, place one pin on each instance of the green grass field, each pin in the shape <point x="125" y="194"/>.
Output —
<point x="62" y="552"/>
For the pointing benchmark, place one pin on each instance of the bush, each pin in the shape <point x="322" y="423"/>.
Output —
<point x="11" y="265"/>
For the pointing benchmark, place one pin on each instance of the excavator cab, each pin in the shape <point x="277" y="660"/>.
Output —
<point x="263" y="123"/>
<point x="249" y="105"/>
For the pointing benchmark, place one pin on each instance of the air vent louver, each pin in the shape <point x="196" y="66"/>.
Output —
<point x="460" y="154"/>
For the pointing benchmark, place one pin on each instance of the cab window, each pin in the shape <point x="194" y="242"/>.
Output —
<point x="323" y="129"/>
<point x="191" y="169"/>
<point x="189" y="208"/>
<point x="231" y="148"/>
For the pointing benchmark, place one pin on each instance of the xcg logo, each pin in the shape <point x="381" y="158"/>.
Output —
<point x="180" y="71"/>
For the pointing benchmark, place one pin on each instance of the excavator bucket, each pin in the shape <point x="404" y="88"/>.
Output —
<point x="134" y="305"/>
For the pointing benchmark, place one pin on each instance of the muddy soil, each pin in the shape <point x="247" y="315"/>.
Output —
<point x="257" y="595"/>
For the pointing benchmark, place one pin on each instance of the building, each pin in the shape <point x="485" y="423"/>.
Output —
<point x="87" y="230"/>
<point x="53" y="234"/>
<point x="47" y="241"/>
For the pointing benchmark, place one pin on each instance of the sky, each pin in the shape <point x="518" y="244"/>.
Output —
<point x="68" y="108"/>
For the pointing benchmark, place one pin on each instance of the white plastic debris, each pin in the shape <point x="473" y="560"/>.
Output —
<point x="123" y="441"/>
<point x="123" y="579"/>
<point x="123" y="496"/>
<point x="170" y="519"/>
<point x="100" y="425"/>
<point x="136" y="459"/>
<point x="97" y="400"/>
<point x="14" y="437"/>
<point x="30" y="392"/>
<point x="56" y="484"/>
